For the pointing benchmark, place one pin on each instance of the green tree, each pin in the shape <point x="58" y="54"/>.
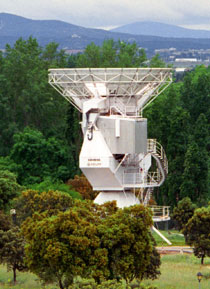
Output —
<point x="6" y="164"/>
<point x="195" y="175"/>
<point x="195" y="94"/>
<point x="110" y="284"/>
<point x="176" y="149"/>
<point x="73" y="134"/>
<point x="196" y="233"/>
<point x="12" y="250"/>
<point x="38" y="157"/>
<point x="183" y="212"/>
<point x="48" y="185"/>
<point x="196" y="167"/>
<point x="179" y="119"/>
<point x="159" y="113"/>
<point x="91" y="241"/>
<point x="108" y="53"/>
<point x="112" y="54"/>
<point x="90" y="57"/>
<point x="156" y="61"/>
<point x="9" y="188"/>
<point x="26" y="97"/>
<point x="5" y="222"/>
<point x="63" y="246"/>
<point x="30" y="202"/>
<point x="53" y="57"/>
<point x="169" y="123"/>
<point x="126" y="235"/>
<point x="201" y="132"/>
<point x="129" y="55"/>
<point x="82" y="185"/>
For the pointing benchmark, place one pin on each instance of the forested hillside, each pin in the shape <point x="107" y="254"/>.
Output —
<point x="161" y="29"/>
<point x="180" y="120"/>
<point x="40" y="136"/>
<point x="71" y="36"/>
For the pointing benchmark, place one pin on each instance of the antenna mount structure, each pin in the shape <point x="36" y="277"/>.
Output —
<point x="116" y="156"/>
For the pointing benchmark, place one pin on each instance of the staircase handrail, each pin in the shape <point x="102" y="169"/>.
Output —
<point x="120" y="105"/>
<point x="154" y="177"/>
<point x="123" y="109"/>
<point x="155" y="147"/>
<point x="163" y="211"/>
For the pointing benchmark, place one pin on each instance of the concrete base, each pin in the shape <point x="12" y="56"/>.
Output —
<point x="123" y="199"/>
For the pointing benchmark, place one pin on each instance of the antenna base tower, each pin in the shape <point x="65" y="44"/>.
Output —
<point x="116" y="156"/>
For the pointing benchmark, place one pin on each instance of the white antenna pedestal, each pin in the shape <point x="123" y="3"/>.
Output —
<point x="116" y="156"/>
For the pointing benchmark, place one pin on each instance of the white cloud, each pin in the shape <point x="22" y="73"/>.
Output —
<point x="103" y="13"/>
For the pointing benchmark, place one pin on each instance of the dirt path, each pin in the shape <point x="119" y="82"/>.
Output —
<point x="175" y="250"/>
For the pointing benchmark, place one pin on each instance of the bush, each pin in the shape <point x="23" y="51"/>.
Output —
<point x="111" y="284"/>
<point x="183" y="212"/>
<point x="31" y="201"/>
<point x="82" y="185"/>
<point x="38" y="157"/>
<point x="9" y="188"/>
<point x="48" y="185"/>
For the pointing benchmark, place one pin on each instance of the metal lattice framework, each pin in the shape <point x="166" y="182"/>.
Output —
<point x="79" y="85"/>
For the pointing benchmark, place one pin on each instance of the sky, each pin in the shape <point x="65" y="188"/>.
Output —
<point x="112" y="13"/>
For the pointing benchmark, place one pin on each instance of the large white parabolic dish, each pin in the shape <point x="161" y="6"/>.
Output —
<point x="141" y="84"/>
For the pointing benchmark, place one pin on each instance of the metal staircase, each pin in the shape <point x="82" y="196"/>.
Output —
<point x="117" y="106"/>
<point x="147" y="196"/>
<point x="134" y="177"/>
<point x="131" y="161"/>
<point x="159" y="155"/>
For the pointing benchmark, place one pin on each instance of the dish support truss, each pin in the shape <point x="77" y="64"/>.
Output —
<point x="128" y="90"/>
<point x="116" y="156"/>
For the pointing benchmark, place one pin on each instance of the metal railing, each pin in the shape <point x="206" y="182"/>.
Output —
<point x="119" y="106"/>
<point x="147" y="197"/>
<point x="132" y="178"/>
<point x="156" y="148"/>
<point x="160" y="212"/>
<point x="153" y="177"/>
<point x="123" y="109"/>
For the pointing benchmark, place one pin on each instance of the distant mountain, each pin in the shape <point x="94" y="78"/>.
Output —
<point x="70" y="36"/>
<point x="67" y="35"/>
<point x="161" y="29"/>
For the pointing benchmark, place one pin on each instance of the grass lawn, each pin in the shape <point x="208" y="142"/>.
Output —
<point x="177" y="272"/>
<point x="176" y="238"/>
<point x="25" y="280"/>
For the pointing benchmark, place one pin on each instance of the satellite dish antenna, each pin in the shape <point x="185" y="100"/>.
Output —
<point x="116" y="155"/>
